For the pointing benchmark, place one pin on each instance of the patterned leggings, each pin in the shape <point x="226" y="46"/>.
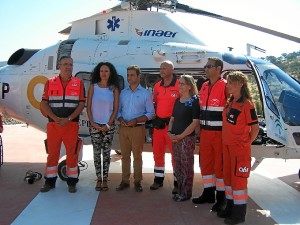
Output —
<point x="102" y="142"/>
<point x="183" y="152"/>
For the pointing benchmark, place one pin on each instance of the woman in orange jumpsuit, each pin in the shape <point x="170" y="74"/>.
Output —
<point x="240" y="128"/>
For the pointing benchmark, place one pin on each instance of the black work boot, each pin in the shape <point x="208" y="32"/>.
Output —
<point x="49" y="184"/>
<point x="227" y="211"/>
<point x="158" y="183"/>
<point x="238" y="215"/>
<point x="221" y="202"/>
<point x="208" y="196"/>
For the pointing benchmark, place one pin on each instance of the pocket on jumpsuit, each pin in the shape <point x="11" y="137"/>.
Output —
<point x="243" y="167"/>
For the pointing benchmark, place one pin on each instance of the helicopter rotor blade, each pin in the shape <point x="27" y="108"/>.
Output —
<point x="185" y="8"/>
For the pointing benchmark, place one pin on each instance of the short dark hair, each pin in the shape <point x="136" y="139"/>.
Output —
<point x="217" y="61"/>
<point x="135" y="68"/>
<point x="65" y="57"/>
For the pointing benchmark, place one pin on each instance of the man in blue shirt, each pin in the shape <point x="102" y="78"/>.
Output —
<point x="136" y="107"/>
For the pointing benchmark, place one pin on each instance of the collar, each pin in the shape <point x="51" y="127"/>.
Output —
<point x="66" y="80"/>
<point x="215" y="82"/>
<point x="173" y="82"/>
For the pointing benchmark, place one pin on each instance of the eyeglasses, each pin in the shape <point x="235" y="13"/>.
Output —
<point x="181" y="84"/>
<point x="209" y="66"/>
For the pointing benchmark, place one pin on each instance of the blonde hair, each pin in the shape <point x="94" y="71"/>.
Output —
<point x="243" y="79"/>
<point x="189" y="80"/>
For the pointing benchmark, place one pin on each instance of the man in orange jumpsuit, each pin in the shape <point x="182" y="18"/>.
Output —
<point x="62" y="102"/>
<point x="212" y="101"/>
<point x="164" y="95"/>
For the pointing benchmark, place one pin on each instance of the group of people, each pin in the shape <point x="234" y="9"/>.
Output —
<point x="222" y="108"/>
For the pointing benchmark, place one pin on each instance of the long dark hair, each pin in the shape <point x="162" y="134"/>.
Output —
<point x="113" y="78"/>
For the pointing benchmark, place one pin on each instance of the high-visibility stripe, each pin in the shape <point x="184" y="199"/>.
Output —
<point x="51" y="172"/>
<point x="240" y="197"/>
<point x="60" y="105"/>
<point x="209" y="181"/>
<point x="72" y="172"/>
<point x="159" y="171"/>
<point x="211" y="123"/>
<point x="60" y="98"/>
<point x="220" y="186"/>
<point x="228" y="192"/>
<point x="212" y="108"/>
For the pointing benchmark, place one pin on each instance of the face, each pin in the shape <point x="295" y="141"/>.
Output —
<point x="166" y="70"/>
<point x="234" y="87"/>
<point x="184" y="88"/>
<point x="132" y="77"/>
<point x="104" y="73"/>
<point x="66" y="67"/>
<point x="211" y="70"/>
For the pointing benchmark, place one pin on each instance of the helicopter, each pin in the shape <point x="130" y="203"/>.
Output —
<point x="133" y="33"/>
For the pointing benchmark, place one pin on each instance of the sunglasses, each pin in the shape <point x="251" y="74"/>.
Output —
<point x="209" y="66"/>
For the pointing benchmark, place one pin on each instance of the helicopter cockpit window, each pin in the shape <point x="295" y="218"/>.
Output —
<point x="285" y="94"/>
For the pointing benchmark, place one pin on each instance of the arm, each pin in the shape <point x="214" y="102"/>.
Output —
<point x="1" y="124"/>
<point x="46" y="108"/>
<point x="78" y="110"/>
<point x="149" y="112"/>
<point x="254" y="132"/>
<point x="115" y="107"/>
<point x="89" y="107"/>
<point x="115" y="110"/>
<point x="44" y="105"/>
<point x="188" y="130"/>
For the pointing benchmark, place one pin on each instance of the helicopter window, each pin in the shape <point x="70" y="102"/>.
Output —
<point x="50" y="62"/>
<point x="123" y="42"/>
<point x="285" y="94"/>
<point x="296" y="136"/>
<point x="86" y="78"/>
<point x="65" y="49"/>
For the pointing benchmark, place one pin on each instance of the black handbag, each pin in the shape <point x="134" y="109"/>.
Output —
<point x="160" y="123"/>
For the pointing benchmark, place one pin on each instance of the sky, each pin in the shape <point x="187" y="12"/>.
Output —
<point x="34" y="24"/>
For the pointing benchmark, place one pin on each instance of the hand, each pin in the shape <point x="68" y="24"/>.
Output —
<point x="132" y="123"/>
<point x="62" y="121"/>
<point x="96" y="126"/>
<point x="123" y="123"/>
<point x="172" y="137"/>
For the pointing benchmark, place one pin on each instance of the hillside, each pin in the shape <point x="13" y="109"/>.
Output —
<point x="288" y="62"/>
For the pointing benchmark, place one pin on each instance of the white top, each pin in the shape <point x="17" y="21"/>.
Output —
<point x="102" y="104"/>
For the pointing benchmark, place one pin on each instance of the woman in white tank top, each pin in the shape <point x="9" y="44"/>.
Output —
<point x="102" y="108"/>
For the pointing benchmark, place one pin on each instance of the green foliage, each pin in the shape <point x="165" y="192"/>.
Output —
<point x="288" y="62"/>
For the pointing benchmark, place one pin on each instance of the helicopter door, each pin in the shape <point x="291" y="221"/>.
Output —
<point x="280" y="96"/>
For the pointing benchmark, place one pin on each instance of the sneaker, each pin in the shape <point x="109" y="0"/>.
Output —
<point x="138" y="187"/>
<point x="72" y="188"/>
<point x="122" y="186"/>
<point x="156" y="186"/>
<point x="179" y="198"/>
<point x="46" y="188"/>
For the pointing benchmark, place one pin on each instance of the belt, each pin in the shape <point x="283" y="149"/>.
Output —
<point x="138" y="125"/>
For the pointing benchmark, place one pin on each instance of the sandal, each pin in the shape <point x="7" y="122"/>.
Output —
<point x="98" y="185"/>
<point x="104" y="185"/>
